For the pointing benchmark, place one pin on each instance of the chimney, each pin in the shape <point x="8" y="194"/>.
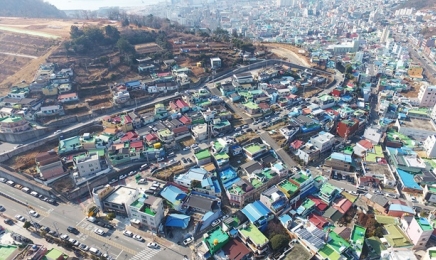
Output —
<point x="326" y="238"/>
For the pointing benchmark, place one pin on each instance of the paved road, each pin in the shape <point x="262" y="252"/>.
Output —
<point x="284" y="156"/>
<point x="64" y="215"/>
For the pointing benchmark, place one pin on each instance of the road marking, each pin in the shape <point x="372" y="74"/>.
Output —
<point x="80" y="221"/>
<point x="119" y="254"/>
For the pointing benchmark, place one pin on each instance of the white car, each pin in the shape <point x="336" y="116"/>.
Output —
<point x="20" y="218"/>
<point x="127" y="233"/>
<point x="138" y="238"/>
<point x="132" y="173"/>
<point x="64" y="237"/>
<point x="216" y="222"/>
<point x="99" y="232"/>
<point x="186" y="149"/>
<point x="34" y="213"/>
<point x="91" y="219"/>
<point x="188" y="241"/>
<point x="57" y="132"/>
<point x="153" y="245"/>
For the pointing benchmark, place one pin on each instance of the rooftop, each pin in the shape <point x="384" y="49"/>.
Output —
<point x="424" y="224"/>
<point x="252" y="232"/>
<point x="421" y="124"/>
<point x="396" y="237"/>
<point x="203" y="154"/>
<point x="254" y="147"/>
<point x="121" y="195"/>
<point x="288" y="187"/>
<point x="327" y="189"/>
<point x="216" y="238"/>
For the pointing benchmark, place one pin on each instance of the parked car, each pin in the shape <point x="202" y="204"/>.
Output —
<point x="34" y="213"/>
<point x="20" y="218"/>
<point x="153" y="245"/>
<point x="52" y="201"/>
<point x="113" y="181"/>
<point x="138" y="238"/>
<point x="160" y="159"/>
<point x="127" y="233"/>
<point x="186" y="148"/>
<point x="8" y="221"/>
<point x="57" y="132"/>
<point x="142" y="181"/>
<point x="83" y="247"/>
<point x="2" y="208"/>
<point x="188" y="241"/>
<point x="3" y="180"/>
<point x="132" y="173"/>
<point x="91" y="219"/>
<point x="64" y="237"/>
<point x="99" y="232"/>
<point x="73" y="230"/>
<point x="392" y="196"/>
<point x="53" y="233"/>
<point x="216" y="222"/>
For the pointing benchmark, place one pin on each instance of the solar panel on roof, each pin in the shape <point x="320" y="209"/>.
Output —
<point x="316" y="242"/>
<point x="319" y="233"/>
<point x="304" y="234"/>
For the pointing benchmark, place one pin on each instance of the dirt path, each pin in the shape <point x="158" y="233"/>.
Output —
<point x="291" y="56"/>
<point x="19" y="55"/>
<point x="289" y="52"/>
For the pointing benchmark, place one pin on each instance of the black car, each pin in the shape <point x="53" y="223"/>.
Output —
<point x="44" y="228"/>
<point x="8" y="221"/>
<point x="51" y="201"/>
<point x="108" y="226"/>
<point x="73" y="230"/>
<point x="53" y="233"/>
<point x="36" y="225"/>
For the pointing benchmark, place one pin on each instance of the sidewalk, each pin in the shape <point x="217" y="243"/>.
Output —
<point x="18" y="228"/>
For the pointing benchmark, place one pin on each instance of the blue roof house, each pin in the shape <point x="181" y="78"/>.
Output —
<point x="177" y="220"/>
<point x="173" y="195"/>
<point x="258" y="214"/>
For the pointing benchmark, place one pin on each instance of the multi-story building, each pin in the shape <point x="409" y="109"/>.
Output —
<point x="115" y="199"/>
<point x="255" y="150"/>
<point x="419" y="232"/>
<point x="87" y="164"/>
<point x="323" y="141"/>
<point x="13" y="124"/>
<point x="147" y="211"/>
<point x="427" y="96"/>
<point x="430" y="146"/>
<point x="328" y="193"/>
<point x="274" y="199"/>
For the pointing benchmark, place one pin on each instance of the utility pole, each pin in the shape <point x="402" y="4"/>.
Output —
<point x="54" y="224"/>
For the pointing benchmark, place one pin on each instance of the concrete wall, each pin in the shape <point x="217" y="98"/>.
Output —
<point x="22" y="136"/>
<point x="83" y="190"/>
<point x="25" y="181"/>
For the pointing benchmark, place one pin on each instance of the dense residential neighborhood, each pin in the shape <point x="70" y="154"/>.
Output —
<point x="330" y="154"/>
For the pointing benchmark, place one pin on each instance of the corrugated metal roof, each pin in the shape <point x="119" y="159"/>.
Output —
<point x="399" y="207"/>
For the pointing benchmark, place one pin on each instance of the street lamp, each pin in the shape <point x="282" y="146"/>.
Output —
<point x="54" y="224"/>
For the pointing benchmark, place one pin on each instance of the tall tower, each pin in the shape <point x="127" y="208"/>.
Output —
<point x="385" y="34"/>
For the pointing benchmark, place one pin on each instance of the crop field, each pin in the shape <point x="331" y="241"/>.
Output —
<point x="19" y="50"/>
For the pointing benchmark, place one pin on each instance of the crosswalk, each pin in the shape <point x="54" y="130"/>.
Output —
<point x="146" y="254"/>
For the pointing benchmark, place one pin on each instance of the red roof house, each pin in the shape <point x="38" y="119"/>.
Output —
<point x="320" y="205"/>
<point x="342" y="205"/>
<point x="318" y="220"/>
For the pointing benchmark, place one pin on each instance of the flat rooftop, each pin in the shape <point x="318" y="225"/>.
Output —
<point x="421" y="124"/>
<point x="254" y="234"/>
<point x="379" y="170"/>
<point x="121" y="195"/>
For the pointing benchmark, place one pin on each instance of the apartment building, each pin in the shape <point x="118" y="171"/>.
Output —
<point x="427" y="96"/>
<point x="147" y="211"/>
